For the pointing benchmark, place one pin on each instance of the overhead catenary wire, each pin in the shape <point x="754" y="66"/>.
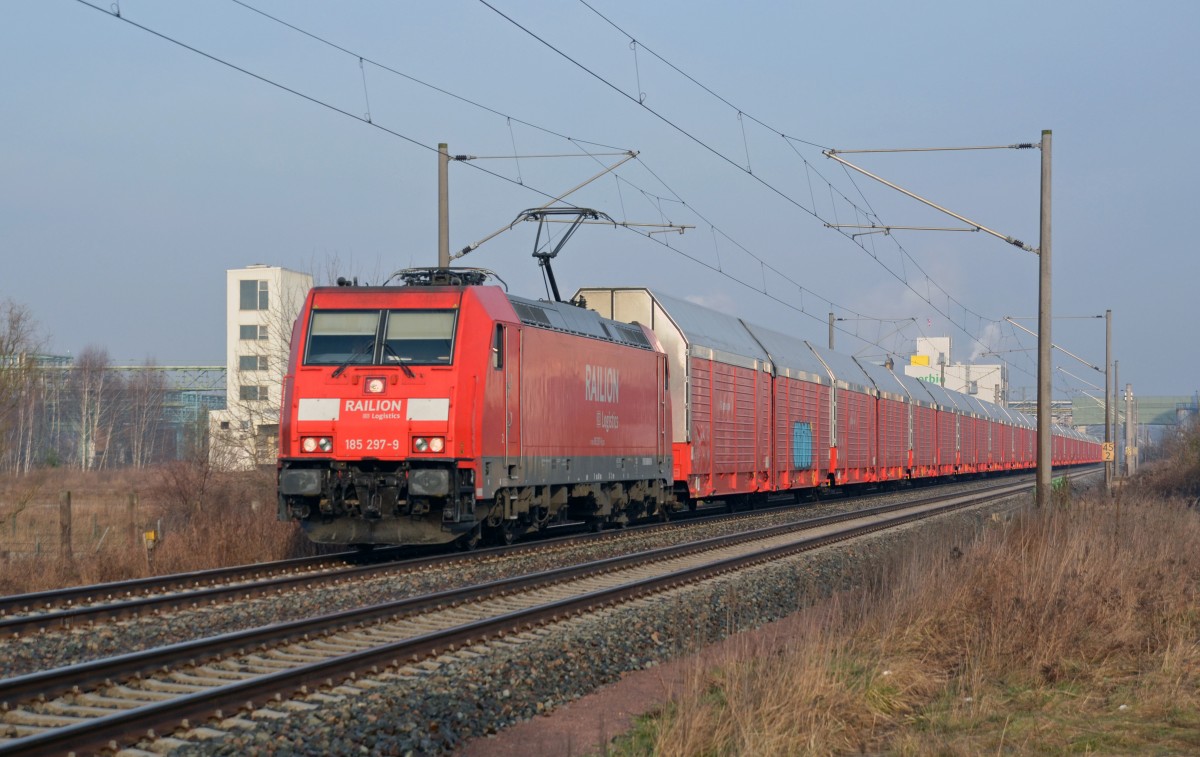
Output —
<point x="403" y="75"/>
<point x="520" y="180"/>
<point x="366" y="118"/>
<point x="688" y="76"/>
<point x="290" y="90"/>
<point x="509" y="119"/>
<point x="902" y="277"/>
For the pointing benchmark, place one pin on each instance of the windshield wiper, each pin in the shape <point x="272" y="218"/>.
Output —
<point x="367" y="347"/>
<point x="387" y="350"/>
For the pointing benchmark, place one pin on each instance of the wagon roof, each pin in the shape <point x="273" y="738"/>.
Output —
<point x="887" y="382"/>
<point x="790" y="355"/>
<point x="844" y="368"/>
<point x="708" y="328"/>
<point x="944" y="399"/>
<point x="916" y="389"/>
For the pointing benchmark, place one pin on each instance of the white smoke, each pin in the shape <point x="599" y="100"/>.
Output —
<point x="989" y="341"/>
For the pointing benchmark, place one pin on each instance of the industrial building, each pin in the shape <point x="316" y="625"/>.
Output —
<point x="931" y="364"/>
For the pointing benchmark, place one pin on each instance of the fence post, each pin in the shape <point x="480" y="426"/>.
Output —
<point x="64" y="525"/>
<point x="135" y="534"/>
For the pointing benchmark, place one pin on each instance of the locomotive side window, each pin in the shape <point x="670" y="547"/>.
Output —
<point x="339" y="337"/>
<point x="422" y="337"/>
<point x="498" y="347"/>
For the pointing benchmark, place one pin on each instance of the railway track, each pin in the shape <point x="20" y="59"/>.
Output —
<point x="81" y="606"/>
<point x="116" y="701"/>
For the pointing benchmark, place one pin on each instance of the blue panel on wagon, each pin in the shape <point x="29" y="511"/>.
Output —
<point x="802" y="444"/>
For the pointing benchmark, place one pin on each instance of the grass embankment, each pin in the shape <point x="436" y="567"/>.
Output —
<point x="208" y="519"/>
<point x="1074" y="629"/>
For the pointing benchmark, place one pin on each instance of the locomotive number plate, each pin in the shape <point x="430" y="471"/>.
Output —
<point x="373" y="445"/>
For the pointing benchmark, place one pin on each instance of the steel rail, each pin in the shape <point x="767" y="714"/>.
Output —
<point x="59" y="608"/>
<point x="98" y="733"/>
<point x="175" y="591"/>
<point x="59" y="680"/>
<point x="43" y="601"/>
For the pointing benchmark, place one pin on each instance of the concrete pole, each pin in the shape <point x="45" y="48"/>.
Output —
<point x="831" y="331"/>
<point x="1044" y="444"/>
<point x="1130" y="466"/>
<point x="1116" y="406"/>
<point x="1136" y="422"/>
<point x="1108" y="408"/>
<point x="443" y="205"/>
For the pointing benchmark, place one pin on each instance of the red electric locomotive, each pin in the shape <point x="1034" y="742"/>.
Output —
<point x="447" y="410"/>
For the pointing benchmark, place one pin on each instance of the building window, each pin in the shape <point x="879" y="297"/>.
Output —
<point x="252" y="332"/>
<point x="252" y="362"/>
<point x="250" y="392"/>
<point x="253" y="295"/>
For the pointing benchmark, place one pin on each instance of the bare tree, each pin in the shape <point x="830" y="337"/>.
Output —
<point x="142" y="409"/>
<point x="19" y="374"/>
<point x="92" y="384"/>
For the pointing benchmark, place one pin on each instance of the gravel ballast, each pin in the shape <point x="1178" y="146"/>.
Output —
<point x="433" y="708"/>
<point x="31" y="653"/>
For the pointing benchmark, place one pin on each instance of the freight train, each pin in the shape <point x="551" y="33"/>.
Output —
<point x="444" y="409"/>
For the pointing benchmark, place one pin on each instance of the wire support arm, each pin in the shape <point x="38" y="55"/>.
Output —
<point x="1054" y="346"/>
<point x="1011" y="240"/>
<point x="463" y="158"/>
<point x="889" y="228"/>
<point x="1019" y="146"/>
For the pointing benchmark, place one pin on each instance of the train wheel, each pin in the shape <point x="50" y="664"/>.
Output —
<point x="503" y="534"/>
<point x="363" y="549"/>
<point x="470" y="542"/>
<point x="508" y="532"/>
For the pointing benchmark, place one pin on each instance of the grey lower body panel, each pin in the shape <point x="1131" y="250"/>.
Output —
<point x="424" y="530"/>
<point x="505" y="473"/>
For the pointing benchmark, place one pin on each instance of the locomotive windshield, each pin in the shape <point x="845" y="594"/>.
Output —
<point x="423" y="337"/>
<point x="337" y="337"/>
<point x="389" y="337"/>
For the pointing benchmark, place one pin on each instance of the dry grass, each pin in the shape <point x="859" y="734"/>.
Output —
<point x="206" y="519"/>
<point x="1069" y="630"/>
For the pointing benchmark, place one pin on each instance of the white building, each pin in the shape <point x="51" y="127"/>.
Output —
<point x="931" y="363"/>
<point x="261" y="305"/>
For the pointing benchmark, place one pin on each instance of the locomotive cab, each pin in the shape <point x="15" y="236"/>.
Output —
<point x="372" y="450"/>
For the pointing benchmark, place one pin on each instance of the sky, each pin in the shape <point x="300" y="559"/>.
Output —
<point x="134" y="171"/>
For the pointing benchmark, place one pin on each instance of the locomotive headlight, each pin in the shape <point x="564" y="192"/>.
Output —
<point x="375" y="385"/>
<point x="314" y="443"/>
<point x="428" y="443"/>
